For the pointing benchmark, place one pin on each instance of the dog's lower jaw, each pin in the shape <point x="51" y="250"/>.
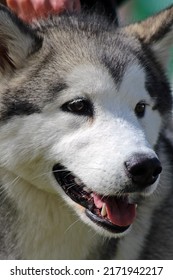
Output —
<point x="46" y="228"/>
<point x="112" y="214"/>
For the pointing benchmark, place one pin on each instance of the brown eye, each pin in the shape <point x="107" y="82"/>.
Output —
<point x="76" y="105"/>
<point x="140" y="109"/>
<point x="79" y="106"/>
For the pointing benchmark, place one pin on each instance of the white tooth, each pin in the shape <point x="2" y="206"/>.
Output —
<point x="86" y="189"/>
<point x="136" y="205"/>
<point x="103" y="211"/>
<point x="77" y="181"/>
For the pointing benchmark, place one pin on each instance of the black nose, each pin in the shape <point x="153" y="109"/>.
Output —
<point x="143" y="169"/>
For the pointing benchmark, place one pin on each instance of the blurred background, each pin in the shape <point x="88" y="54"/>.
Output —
<point x="135" y="10"/>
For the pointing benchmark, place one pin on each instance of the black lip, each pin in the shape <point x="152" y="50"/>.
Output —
<point x="66" y="179"/>
<point x="105" y="223"/>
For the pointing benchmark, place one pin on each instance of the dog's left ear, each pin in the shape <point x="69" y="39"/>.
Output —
<point x="157" y="31"/>
<point x="17" y="41"/>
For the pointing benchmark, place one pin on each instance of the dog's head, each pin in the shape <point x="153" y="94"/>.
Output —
<point x="82" y="106"/>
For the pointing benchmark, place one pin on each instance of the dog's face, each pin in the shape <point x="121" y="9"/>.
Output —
<point x="83" y="121"/>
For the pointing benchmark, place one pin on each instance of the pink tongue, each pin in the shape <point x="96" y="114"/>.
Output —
<point x="119" y="211"/>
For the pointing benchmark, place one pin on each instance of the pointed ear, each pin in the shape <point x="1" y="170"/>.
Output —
<point x="157" y="31"/>
<point x="17" y="41"/>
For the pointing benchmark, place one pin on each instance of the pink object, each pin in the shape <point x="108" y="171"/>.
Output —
<point x="30" y="10"/>
<point x="119" y="211"/>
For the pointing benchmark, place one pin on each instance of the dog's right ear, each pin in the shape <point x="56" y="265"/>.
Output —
<point x="17" y="41"/>
<point x="157" y="32"/>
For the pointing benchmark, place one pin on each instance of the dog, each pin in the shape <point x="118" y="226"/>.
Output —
<point x="85" y="144"/>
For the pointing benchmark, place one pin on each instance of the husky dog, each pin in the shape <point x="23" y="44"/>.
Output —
<point x="85" y="163"/>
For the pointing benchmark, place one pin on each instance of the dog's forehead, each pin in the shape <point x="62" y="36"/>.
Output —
<point x="98" y="80"/>
<point x="109" y="50"/>
<point x="92" y="43"/>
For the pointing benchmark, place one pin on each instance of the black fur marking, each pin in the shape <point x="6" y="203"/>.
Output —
<point x="5" y="58"/>
<point x="160" y="91"/>
<point x="166" y="138"/>
<point x="156" y="84"/>
<point x="122" y="51"/>
<point x="18" y="108"/>
<point x="115" y="68"/>
<point x="160" y="249"/>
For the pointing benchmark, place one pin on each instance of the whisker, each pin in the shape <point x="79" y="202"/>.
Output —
<point x="12" y="182"/>
<point x="75" y="222"/>
<point x="3" y="189"/>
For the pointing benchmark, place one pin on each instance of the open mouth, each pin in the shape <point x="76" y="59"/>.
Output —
<point x="113" y="213"/>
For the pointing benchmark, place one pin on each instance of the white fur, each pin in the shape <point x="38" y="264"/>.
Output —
<point x="47" y="227"/>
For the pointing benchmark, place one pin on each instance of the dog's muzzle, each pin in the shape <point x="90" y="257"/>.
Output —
<point x="113" y="213"/>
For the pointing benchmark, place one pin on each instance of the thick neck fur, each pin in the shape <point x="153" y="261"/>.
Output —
<point x="46" y="228"/>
